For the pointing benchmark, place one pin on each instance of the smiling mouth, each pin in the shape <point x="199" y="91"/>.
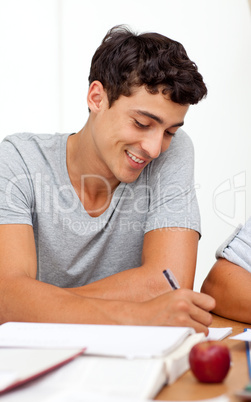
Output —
<point x="134" y="158"/>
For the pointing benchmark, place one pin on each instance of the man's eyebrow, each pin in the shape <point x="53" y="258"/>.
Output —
<point x="157" y="118"/>
<point x="179" y="124"/>
<point x="152" y="116"/>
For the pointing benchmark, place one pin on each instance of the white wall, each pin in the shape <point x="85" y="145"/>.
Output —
<point x="45" y="52"/>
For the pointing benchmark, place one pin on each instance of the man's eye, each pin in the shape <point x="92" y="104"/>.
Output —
<point x="138" y="124"/>
<point x="169" y="133"/>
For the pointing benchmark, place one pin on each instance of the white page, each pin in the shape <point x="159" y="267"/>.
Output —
<point x="58" y="387"/>
<point x="217" y="334"/>
<point x="108" y="376"/>
<point x="243" y="336"/>
<point x="7" y="378"/>
<point x="22" y="364"/>
<point x="108" y="340"/>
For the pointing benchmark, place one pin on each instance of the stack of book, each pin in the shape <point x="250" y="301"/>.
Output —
<point x="105" y="360"/>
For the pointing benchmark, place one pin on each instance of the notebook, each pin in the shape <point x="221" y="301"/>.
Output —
<point x="102" y="340"/>
<point x="18" y="366"/>
<point x="130" y="361"/>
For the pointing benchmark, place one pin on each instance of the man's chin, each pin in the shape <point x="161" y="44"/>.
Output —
<point x="129" y="178"/>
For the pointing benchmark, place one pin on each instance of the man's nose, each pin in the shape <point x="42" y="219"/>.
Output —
<point x="152" y="145"/>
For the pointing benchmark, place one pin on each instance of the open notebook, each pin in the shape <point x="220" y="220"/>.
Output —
<point x="103" y="340"/>
<point x="131" y="361"/>
<point x="18" y="366"/>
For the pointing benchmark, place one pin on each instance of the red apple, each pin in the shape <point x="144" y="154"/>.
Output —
<point x="210" y="361"/>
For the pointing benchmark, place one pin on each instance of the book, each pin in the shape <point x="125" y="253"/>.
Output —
<point x="18" y="366"/>
<point x="102" y="340"/>
<point x="131" y="361"/>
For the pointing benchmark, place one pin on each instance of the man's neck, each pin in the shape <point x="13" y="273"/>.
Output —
<point x="93" y="188"/>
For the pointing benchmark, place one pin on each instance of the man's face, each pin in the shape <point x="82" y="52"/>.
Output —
<point x="133" y="132"/>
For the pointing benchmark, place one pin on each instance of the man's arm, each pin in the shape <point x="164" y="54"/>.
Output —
<point x="230" y="285"/>
<point x="23" y="298"/>
<point x="174" y="248"/>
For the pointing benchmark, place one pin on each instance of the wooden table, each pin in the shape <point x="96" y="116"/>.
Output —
<point x="188" y="388"/>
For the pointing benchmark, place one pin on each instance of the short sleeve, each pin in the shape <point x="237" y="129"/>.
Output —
<point x="16" y="188"/>
<point x="237" y="248"/>
<point x="173" y="202"/>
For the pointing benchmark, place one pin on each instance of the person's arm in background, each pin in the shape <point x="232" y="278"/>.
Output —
<point x="229" y="280"/>
<point x="230" y="285"/>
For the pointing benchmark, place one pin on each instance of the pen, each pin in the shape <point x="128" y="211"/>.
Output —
<point x="171" y="279"/>
<point x="248" y="353"/>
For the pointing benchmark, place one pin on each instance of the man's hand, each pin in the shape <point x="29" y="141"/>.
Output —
<point x="181" y="307"/>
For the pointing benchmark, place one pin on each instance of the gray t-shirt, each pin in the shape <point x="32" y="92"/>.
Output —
<point x="237" y="247"/>
<point x="72" y="247"/>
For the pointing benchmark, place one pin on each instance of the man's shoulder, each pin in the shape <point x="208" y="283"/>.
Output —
<point x="181" y="151"/>
<point x="32" y="150"/>
<point x="28" y="139"/>
<point x="180" y="143"/>
<point x="176" y="162"/>
<point x="32" y="147"/>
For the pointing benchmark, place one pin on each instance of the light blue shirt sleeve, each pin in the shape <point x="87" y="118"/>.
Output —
<point x="237" y="248"/>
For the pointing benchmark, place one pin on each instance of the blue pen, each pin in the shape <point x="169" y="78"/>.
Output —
<point x="245" y="393"/>
<point x="248" y="346"/>
<point x="171" y="279"/>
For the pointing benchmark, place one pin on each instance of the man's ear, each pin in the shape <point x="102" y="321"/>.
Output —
<point x="96" y="96"/>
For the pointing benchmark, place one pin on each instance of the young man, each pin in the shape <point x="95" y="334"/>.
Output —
<point x="90" y="220"/>
<point x="229" y="280"/>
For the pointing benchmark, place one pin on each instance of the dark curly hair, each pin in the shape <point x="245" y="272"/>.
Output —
<point x="125" y="60"/>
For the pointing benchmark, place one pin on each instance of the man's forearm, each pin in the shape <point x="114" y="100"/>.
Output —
<point x="26" y="299"/>
<point x="167" y="248"/>
<point x="135" y="284"/>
